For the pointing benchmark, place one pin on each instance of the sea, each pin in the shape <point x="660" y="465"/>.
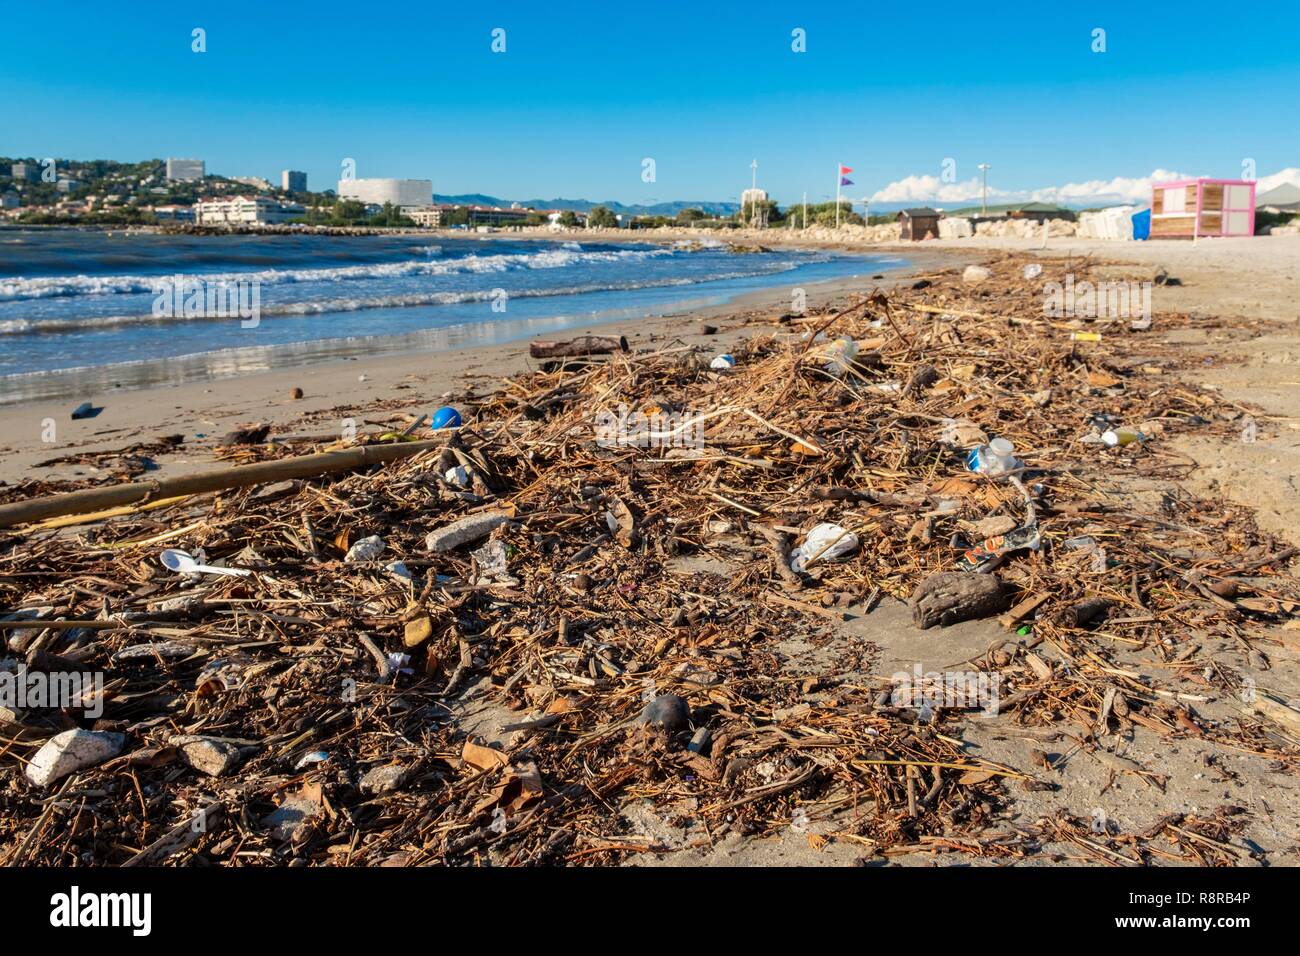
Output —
<point x="86" y="312"/>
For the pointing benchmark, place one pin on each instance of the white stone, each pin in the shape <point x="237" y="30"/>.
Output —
<point x="71" y="751"/>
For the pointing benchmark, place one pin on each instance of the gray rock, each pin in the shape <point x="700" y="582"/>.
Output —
<point x="384" y="779"/>
<point x="367" y="549"/>
<point x="165" y="649"/>
<point x="293" y="818"/>
<point x="207" y="754"/>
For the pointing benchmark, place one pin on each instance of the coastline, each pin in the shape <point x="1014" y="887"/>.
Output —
<point x="407" y="383"/>
<point x="404" y="327"/>
<point x="1254" y="279"/>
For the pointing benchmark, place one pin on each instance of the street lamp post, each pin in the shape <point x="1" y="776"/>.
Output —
<point x="984" y="201"/>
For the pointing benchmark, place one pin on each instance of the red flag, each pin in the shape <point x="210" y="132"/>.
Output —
<point x="844" y="170"/>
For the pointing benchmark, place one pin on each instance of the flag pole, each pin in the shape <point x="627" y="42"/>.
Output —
<point x="838" y="177"/>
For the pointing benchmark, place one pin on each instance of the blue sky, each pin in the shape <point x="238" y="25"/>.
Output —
<point x="586" y="91"/>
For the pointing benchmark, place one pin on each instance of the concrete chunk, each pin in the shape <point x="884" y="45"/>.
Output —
<point x="468" y="529"/>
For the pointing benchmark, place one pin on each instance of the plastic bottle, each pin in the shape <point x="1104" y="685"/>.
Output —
<point x="995" y="458"/>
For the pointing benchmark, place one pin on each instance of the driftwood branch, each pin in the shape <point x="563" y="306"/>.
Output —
<point x="240" y="476"/>
<point x="582" y="345"/>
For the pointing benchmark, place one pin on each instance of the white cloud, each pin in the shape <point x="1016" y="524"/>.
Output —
<point x="1120" y="189"/>
<point x="1289" y="175"/>
<point x="929" y="188"/>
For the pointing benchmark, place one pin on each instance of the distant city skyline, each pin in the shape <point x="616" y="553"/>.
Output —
<point x="663" y="104"/>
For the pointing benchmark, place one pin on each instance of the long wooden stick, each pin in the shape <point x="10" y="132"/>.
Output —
<point x="240" y="476"/>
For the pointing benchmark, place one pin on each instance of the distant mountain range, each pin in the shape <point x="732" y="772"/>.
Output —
<point x="586" y="205"/>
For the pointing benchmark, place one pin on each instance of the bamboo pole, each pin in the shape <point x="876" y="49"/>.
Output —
<point x="239" y="476"/>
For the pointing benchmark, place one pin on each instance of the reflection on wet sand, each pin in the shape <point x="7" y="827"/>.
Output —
<point x="229" y="363"/>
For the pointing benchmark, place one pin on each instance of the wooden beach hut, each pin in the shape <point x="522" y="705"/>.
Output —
<point x="920" y="223"/>
<point x="1195" y="208"/>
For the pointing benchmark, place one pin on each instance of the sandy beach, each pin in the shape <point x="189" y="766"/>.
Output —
<point x="1239" y="337"/>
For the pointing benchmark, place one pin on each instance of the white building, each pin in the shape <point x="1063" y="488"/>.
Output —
<point x="293" y="181"/>
<point x="245" y="210"/>
<point x="174" y="213"/>
<point x="407" y="194"/>
<point x="428" y="216"/>
<point x="185" y="170"/>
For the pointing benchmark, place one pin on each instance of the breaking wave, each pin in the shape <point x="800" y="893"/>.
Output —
<point x="52" y="286"/>
<point x="325" y="306"/>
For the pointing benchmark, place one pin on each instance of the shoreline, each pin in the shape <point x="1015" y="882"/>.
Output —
<point x="102" y="380"/>
<point x="1251" y="278"/>
<point x="410" y="382"/>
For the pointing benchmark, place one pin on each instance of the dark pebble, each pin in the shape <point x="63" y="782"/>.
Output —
<point x="667" y="711"/>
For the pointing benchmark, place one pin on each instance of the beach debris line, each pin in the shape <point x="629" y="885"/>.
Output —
<point x="588" y="628"/>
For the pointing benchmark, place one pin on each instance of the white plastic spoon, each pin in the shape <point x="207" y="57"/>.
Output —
<point x="182" y="563"/>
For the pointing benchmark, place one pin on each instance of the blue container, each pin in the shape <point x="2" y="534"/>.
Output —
<point x="1142" y="224"/>
<point x="445" y="417"/>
